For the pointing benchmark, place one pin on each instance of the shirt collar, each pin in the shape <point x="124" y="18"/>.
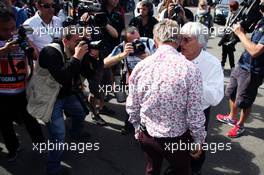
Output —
<point x="39" y="18"/>
<point x="199" y="58"/>
<point x="166" y="48"/>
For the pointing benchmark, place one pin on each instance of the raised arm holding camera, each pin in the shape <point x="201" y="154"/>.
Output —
<point x="174" y="9"/>
<point x="131" y="51"/>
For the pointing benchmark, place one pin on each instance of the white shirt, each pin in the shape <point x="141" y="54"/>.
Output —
<point x="213" y="79"/>
<point x="43" y="33"/>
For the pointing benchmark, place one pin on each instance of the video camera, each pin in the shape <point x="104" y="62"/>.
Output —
<point x="248" y="15"/>
<point x="79" y="7"/>
<point x="139" y="47"/>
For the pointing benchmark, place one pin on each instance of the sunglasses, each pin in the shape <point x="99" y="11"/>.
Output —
<point x="203" y="5"/>
<point x="47" y="5"/>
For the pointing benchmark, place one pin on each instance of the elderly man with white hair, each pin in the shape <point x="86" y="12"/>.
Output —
<point x="164" y="103"/>
<point x="194" y="40"/>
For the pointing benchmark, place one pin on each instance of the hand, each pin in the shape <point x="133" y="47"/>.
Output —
<point x="136" y="135"/>
<point x="128" y="49"/>
<point x="238" y="30"/>
<point x="80" y="50"/>
<point x="10" y="47"/>
<point x="182" y="12"/>
<point x="170" y="9"/>
<point x="196" y="153"/>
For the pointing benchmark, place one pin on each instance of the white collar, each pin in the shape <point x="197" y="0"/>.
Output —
<point x="199" y="58"/>
<point x="40" y="20"/>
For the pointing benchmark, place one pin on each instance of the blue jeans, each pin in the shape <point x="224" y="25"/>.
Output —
<point x="56" y="127"/>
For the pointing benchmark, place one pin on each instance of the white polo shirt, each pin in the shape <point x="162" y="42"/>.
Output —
<point x="44" y="33"/>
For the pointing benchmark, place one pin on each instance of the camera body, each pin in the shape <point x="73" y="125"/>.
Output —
<point x="139" y="47"/>
<point x="22" y="41"/>
<point x="176" y="11"/>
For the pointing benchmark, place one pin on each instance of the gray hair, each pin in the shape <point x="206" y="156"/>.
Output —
<point x="167" y="30"/>
<point x="198" y="30"/>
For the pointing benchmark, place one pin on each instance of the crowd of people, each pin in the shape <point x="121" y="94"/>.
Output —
<point x="49" y="71"/>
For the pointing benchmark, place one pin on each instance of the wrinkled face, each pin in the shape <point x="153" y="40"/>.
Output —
<point x="132" y="36"/>
<point x="46" y="8"/>
<point x="143" y="10"/>
<point x="190" y="46"/>
<point x="7" y="29"/>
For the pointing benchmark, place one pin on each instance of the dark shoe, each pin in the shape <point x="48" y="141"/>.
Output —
<point x="12" y="156"/>
<point x="106" y="111"/>
<point x="97" y="119"/>
<point x="63" y="171"/>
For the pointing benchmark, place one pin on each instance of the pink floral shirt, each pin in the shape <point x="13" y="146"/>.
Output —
<point x="165" y="92"/>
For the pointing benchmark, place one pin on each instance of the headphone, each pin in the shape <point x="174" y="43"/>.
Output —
<point x="149" y="5"/>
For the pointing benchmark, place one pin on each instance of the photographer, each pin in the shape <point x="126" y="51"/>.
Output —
<point x="246" y="78"/>
<point x="132" y="50"/>
<point x="145" y="21"/>
<point x="228" y="50"/>
<point x="175" y="10"/>
<point x="55" y="88"/>
<point x="93" y="29"/>
<point x="115" y="23"/>
<point x="14" y="73"/>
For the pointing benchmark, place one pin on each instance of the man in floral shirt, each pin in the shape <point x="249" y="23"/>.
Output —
<point x="165" y="100"/>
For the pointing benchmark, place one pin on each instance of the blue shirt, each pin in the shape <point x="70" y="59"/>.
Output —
<point x="21" y="15"/>
<point x="132" y="61"/>
<point x="254" y="65"/>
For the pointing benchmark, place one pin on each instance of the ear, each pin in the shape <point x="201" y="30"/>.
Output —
<point x="64" y="41"/>
<point x="156" y="43"/>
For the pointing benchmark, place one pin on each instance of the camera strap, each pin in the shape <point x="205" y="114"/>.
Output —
<point x="11" y="63"/>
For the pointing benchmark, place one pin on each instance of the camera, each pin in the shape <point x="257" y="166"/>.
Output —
<point x="93" y="44"/>
<point x="176" y="11"/>
<point x="98" y="19"/>
<point x="248" y="15"/>
<point x="22" y="41"/>
<point x="139" y="47"/>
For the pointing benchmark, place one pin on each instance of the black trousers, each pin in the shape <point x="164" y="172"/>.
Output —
<point x="196" y="164"/>
<point x="228" y="51"/>
<point x="155" y="151"/>
<point x="13" y="108"/>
